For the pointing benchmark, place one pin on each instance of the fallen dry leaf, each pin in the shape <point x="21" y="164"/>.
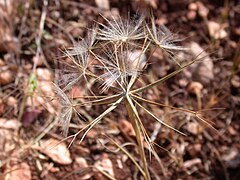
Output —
<point x="194" y="150"/>
<point x="9" y="138"/>
<point x="39" y="60"/>
<point x="7" y="13"/>
<point x="231" y="130"/>
<point x="44" y="91"/>
<point x="18" y="172"/>
<point x="9" y="124"/>
<point x="7" y="142"/>
<point x="2" y="108"/>
<point x="192" y="162"/>
<point x="2" y="63"/>
<point x="230" y="154"/>
<point x="105" y="164"/>
<point x="12" y="101"/>
<point x="55" y="150"/>
<point x="126" y="127"/>
<point x="234" y="163"/>
<point x="235" y="81"/>
<point x="79" y="164"/>
<point x="192" y="13"/>
<point x="44" y="74"/>
<point x="194" y="128"/>
<point x="6" y="7"/>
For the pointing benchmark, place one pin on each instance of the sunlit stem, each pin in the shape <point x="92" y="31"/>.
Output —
<point x="137" y="130"/>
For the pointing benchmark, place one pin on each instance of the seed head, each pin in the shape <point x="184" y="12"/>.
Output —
<point x="119" y="66"/>
<point x="66" y="109"/>
<point x="84" y="45"/>
<point x="118" y="53"/>
<point x="79" y="55"/>
<point x="122" y="31"/>
<point x="164" y="38"/>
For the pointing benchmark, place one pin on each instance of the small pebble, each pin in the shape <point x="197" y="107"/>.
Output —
<point x="192" y="6"/>
<point x="191" y="15"/>
<point x="6" y="77"/>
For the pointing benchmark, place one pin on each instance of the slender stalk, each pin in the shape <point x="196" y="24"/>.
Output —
<point x="163" y="79"/>
<point x="137" y="130"/>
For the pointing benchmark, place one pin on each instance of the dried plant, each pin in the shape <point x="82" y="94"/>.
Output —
<point x="114" y="55"/>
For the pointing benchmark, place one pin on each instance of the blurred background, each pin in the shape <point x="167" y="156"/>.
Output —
<point x="33" y="36"/>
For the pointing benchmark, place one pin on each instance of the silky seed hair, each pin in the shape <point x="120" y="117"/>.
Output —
<point x="122" y="31"/>
<point x="118" y="67"/>
<point x="164" y="38"/>
<point x="79" y="55"/>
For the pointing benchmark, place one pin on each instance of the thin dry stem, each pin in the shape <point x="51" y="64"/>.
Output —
<point x="137" y="130"/>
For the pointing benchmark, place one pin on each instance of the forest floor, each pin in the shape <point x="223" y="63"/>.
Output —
<point x="33" y="36"/>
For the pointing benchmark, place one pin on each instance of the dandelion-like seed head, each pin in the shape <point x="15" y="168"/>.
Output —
<point x="66" y="109"/>
<point x="118" y="54"/>
<point x="84" y="45"/>
<point x="120" y="66"/>
<point x="164" y="38"/>
<point x="122" y="31"/>
<point x="79" y="55"/>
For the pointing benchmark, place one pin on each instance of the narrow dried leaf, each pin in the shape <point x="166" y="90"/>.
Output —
<point x="19" y="172"/>
<point x="56" y="150"/>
